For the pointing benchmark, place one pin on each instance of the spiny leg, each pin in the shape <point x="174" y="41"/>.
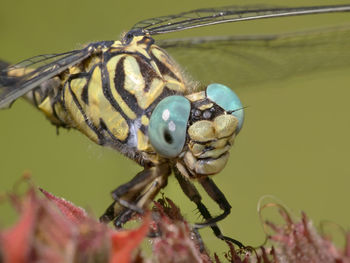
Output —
<point x="108" y="215"/>
<point x="215" y="193"/>
<point x="123" y="216"/>
<point x="128" y="192"/>
<point x="136" y="194"/>
<point x="192" y="193"/>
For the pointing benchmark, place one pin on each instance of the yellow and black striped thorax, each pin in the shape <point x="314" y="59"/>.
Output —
<point x="110" y="95"/>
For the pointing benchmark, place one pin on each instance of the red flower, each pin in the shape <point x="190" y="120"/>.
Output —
<point x="14" y="241"/>
<point x="126" y="241"/>
<point x="52" y="229"/>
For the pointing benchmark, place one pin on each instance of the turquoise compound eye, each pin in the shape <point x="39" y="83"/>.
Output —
<point x="168" y="124"/>
<point x="228" y="100"/>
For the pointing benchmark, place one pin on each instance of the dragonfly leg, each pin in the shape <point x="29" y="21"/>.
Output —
<point x="122" y="218"/>
<point x="136" y="194"/>
<point x="192" y="193"/>
<point x="108" y="215"/>
<point x="214" y="192"/>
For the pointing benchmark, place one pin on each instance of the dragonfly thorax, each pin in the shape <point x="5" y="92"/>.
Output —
<point x="110" y="96"/>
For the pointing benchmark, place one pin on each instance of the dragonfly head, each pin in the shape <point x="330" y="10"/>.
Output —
<point x="197" y="130"/>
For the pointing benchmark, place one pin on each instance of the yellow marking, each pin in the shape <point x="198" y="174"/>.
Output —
<point x="45" y="106"/>
<point x="135" y="47"/>
<point x="139" y="49"/>
<point x="155" y="67"/>
<point x="90" y="62"/>
<point x="75" y="118"/>
<point x="117" y="44"/>
<point x="144" y="120"/>
<point x="133" y="74"/>
<point x="196" y="96"/>
<point x="205" y="106"/>
<point x="135" y="84"/>
<point x="147" y="98"/>
<point x="36" y="96"/>
<point x="164" y="58"/>
<point x="118" y="126"/>
<point x="111" y="66"/>
<point x="61" y="113"/>
<point x="74" y="70"/>
<point x="142" y="141"/>
<point x="174" y="84"/>
<point x="77" y="86"/>
<point x="134" y="81"/>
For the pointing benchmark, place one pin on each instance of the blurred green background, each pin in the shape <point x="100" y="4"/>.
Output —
<point x="295" y="144"/>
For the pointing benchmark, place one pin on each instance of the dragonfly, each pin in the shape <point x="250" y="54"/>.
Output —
<point x="130" y="95"/>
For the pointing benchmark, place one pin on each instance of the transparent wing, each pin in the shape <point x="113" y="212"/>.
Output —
<point x="211" y="16"/>
<point x="20" y="78"/>
<point x="17" y="80"/>
<point x="241" y="61"/>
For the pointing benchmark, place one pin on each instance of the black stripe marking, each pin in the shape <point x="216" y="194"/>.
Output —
<point x="34" y="97"/>
<point x="53" y="102"/>
<point x="144" y="129"/>
<point x="108" y="94"/>
<point x="110" y="54"/>
<point x="85" y="90"/>
<point x="146" y="40"/>
<point x="147" y="73"/>
<point x="119" y="82"/>
<point x="164" y="70"/>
